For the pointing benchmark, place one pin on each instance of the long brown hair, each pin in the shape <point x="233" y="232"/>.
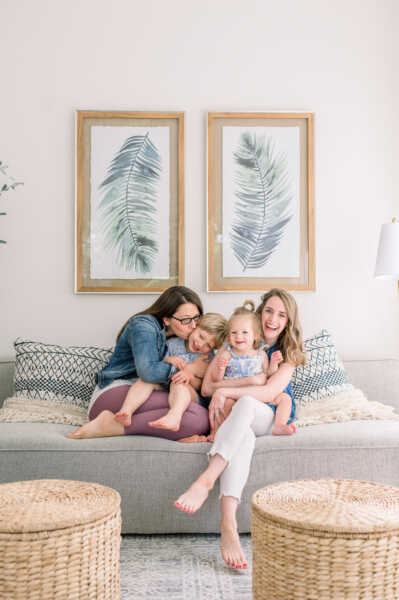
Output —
<point x="167" y="304"/>
<point x="290" y="340"/>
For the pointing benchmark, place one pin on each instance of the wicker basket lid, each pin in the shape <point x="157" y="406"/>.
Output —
<point x="49" y="504"/>
<point x="335" y="505"/>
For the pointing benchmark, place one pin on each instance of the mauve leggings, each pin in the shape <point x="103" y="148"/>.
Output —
<point x="195" y="419"/>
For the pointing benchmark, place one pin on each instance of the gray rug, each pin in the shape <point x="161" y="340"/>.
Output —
<point x="181" y="567"/>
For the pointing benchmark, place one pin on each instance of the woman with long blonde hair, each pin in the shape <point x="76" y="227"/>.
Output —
<point x="251" y="416"/>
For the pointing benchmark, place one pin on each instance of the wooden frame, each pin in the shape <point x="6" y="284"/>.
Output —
<point x="129" y="201"/>
<point x="260" y="201"/>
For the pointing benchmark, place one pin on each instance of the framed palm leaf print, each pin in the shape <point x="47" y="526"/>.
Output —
<point x="130" y="201"/>
<point x="260" y="201"/>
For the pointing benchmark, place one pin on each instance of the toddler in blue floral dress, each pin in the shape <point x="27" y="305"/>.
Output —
<point x="245" y="356"/>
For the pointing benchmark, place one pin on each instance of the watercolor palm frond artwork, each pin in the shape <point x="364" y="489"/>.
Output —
<point x="263" y="196"/>
<point x="128" y="207"/>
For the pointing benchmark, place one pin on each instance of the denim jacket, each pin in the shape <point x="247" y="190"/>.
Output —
<point x="138" y="353"/>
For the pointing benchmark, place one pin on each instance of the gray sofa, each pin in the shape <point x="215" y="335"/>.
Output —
<point x="150" y="473"/>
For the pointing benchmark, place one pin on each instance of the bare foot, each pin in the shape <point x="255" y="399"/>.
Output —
<point x="284" y="429"/>
<point x="211" y="437"/>
<point x="169" y="421"/>
<point x="123" y="418"/>
<point x="231" y="548"/>
<point x="194" y="439"/>
<point x="102" y="426"/>
<point x="193" y="499"/>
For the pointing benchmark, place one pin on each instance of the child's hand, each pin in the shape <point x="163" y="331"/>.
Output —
<point x="276" y="358"/>
<point x="222" y="361"/>
<point x="183" y="376"/>
<point x="176" y="361"/>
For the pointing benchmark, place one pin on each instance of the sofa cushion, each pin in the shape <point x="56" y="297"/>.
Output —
<point x="323" y="375"/>
<point x="60" y="374"/>
<point x="150" y="473"/>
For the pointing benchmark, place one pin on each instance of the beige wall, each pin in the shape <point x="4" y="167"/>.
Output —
<point x="336" y="59"/>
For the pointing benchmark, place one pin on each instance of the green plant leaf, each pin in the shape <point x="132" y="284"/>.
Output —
<point x="263" y="195"/>
<point x="128" y="206"/>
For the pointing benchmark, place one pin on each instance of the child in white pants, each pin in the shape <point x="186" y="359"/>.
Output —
<point x="231" y="452"/>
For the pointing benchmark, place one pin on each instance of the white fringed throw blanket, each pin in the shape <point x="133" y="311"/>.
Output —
<point x="348" y="406"/>
<point x="18" y="409"/>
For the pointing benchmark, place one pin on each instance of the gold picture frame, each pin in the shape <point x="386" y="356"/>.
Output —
<point x="260" y="201"/>
<point x="129" y="201"/>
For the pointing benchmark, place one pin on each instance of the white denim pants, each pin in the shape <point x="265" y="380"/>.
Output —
<point x="235" y="442"/>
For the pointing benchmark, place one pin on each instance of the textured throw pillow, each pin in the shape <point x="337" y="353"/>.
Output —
<point x="323" y="375"/>
<point x="60" y="374"/>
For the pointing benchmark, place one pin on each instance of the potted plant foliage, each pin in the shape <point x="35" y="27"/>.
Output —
<point x="7" y="183"/>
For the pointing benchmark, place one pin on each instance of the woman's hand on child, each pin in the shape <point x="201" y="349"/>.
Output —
<point x="183" y="376"/>
<point x="222" y="416"/>
<point x="176" y="361"/>
<point x="192" y="373"/>
<point x="216" y="408"/>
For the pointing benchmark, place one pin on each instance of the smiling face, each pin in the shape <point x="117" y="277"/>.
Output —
<point x="176" y="327"/>
<point x="241" y="334"/>
<point x="201" y="341"/>
<point x="274" y="319"/>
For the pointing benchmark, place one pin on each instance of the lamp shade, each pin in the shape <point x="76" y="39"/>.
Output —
<point x="387" y="264"/>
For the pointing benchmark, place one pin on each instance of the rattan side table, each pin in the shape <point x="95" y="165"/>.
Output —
<point x="325" y="539"/>
<point x="59" y="540"/>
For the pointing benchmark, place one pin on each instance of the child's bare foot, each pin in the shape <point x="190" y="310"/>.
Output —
<point x="194" y="439"/>
<point x="211" y="437"/>
<point x="123" y="418"/>
<point x="169" y="421"/>
<point x="284" y="429"/>
<point x="231" y="548"/>
<point x="193" y="499"/>
<point x="102" y="426"/>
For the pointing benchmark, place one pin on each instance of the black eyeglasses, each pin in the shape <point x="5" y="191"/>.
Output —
<point x="187" y="320"/>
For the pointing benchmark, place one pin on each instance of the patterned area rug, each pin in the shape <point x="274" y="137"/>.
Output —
<point x="181" y="567"/>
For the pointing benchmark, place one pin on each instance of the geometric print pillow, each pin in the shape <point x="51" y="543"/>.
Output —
<point x="61" y="374"/>
<point x="323" y="375"/>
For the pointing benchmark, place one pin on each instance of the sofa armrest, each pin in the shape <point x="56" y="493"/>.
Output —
<point x="6" y="380"/>
<point x="378" y="379"/>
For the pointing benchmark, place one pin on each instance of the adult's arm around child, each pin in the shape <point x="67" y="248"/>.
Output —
<point x="209" y="386"/>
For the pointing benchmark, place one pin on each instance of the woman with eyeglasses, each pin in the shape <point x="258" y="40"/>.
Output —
<point x="139" y="353"/>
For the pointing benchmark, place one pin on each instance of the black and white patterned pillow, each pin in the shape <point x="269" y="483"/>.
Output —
<point x="323" y="375"/>
<point x="62" y="374"/>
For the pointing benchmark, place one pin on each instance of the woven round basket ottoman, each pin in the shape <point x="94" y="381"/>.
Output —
<point x="325" y="539"/>
<point x="59" y="540"/>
